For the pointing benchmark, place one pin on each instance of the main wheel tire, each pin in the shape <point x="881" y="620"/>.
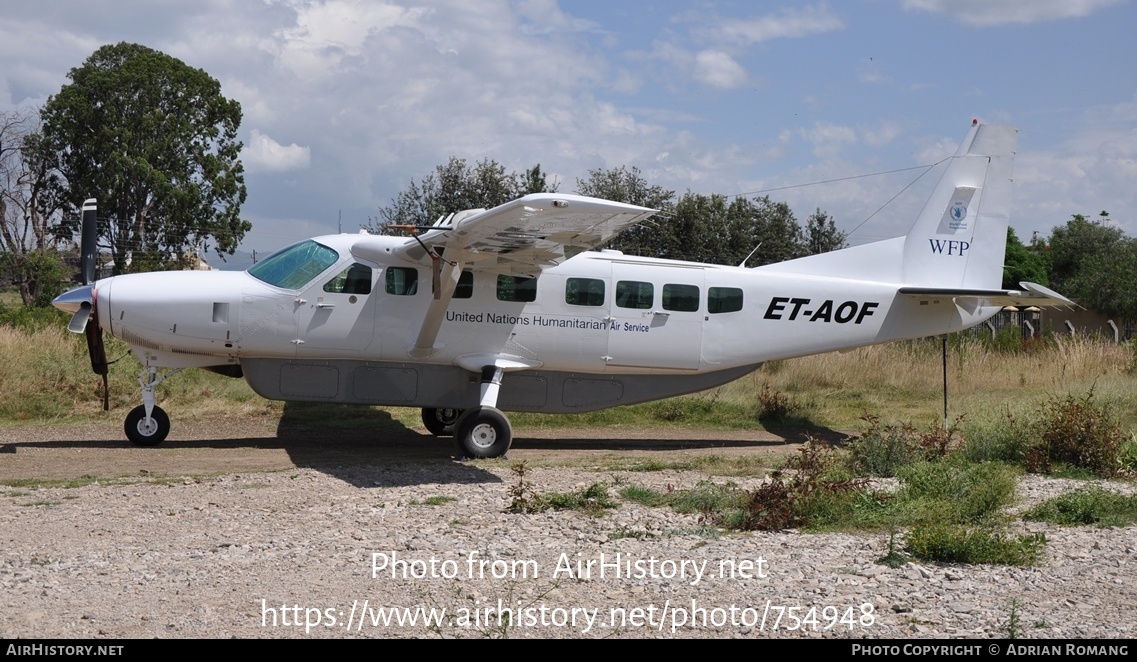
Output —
<point x="141" y="433"/>
<point x="440" y="422"/>
<point x="483" y="432"/>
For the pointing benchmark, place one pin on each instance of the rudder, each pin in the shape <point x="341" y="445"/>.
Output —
<point x="960" y="237"/>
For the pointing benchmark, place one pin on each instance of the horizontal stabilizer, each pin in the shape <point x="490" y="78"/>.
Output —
<point x="1031" y="294"/>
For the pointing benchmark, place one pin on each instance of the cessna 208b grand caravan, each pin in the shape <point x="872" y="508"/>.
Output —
<point x="508" y="309"/>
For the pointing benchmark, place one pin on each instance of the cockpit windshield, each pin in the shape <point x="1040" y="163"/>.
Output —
<point x="295" y="266"/>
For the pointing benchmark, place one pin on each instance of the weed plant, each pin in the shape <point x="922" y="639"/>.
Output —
<point x="1127" y="457"/>
<point x="956" y="492"/>
<point x="593" y="500"/>
<point x="952" y="543"/>
<point x="1090" y="506"/>
<point x="779" y="410"/>
<point x="883" y="449"/>
<point x="1005" y="439"/>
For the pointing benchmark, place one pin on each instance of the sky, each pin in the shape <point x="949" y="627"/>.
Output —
<point x="346" y="102"/>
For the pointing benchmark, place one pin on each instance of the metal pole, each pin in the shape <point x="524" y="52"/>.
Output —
<point x="945" y="382"/>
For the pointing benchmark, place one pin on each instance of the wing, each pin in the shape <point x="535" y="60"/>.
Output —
<point x="522" y="237"/>
<point x="1032" y="294"/>
<point x="529" y="234"/>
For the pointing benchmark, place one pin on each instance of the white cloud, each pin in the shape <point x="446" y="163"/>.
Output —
<point x="718" y="69"/>
<point x="366" y="96"/>
<point x="986" y="13"/>
<point x="870" y="72"/>
<point x="829" y="139"/>
<point x="883" y="135"/>
<point x="263" y="154"/>
<point x="786" y="24"/>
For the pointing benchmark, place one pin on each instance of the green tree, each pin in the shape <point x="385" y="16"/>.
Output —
<point x="821" y="234"/>
<point x="771" y="227"/>
<point x="698" y="227"/>
<point x="1077" y="243"/>
<point x="1022" y="264"/>
<point x="650" y="237"/>
<point x="28" y="244"/>
<point x="156" y="142"/>
<point x="457" y="186"/>
<point x="1095" y="264"/>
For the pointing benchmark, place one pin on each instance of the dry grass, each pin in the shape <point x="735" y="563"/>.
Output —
<point x="47" y="377"/>
<point x="903" y="381"/>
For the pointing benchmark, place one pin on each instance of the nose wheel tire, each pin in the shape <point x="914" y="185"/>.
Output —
<point x="483" y="432"/>
<point x="440" y="422"/>
<point x="142" y="432"/>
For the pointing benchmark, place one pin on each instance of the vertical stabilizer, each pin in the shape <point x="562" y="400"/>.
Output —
<point x="960" y="236"/>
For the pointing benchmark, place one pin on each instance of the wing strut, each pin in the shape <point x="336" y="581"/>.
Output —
<point x="445" y="279"/>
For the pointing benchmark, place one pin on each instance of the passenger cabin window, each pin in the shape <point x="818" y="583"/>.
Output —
<point x="584" y="292"/>
<point x="634" y="294"/>
<point x="465" y="287"/>
<point x="681" y="298"/>
<point x="724" y="300"/>
<point x="356" y="279"/>
<point x="294" y="267"/>
<point x="402" y="281"/>
<point x="516" y="288"/>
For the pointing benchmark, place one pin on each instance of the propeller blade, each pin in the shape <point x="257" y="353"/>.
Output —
<point x="90" y="241"/>
<point x="78" y="323"/>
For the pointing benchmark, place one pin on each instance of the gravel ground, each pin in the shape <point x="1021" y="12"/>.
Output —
<point x="249" y="529"/>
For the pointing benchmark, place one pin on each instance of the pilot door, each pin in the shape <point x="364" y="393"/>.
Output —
<point x="336" y="316"/>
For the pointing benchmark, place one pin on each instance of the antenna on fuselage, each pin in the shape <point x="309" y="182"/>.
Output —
<point x="743" y="263"/>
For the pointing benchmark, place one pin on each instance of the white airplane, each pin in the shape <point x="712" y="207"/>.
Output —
<point x="508" y="309"/>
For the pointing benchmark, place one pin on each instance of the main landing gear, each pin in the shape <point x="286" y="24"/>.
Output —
<point x="147" y="424"/>
<point x="480" y="432"/>
<point x="440" y="422"/>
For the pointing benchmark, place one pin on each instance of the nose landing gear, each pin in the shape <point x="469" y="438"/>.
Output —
<point x="147" y="424"/>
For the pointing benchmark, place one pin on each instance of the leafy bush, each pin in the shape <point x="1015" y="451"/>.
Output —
<point x="947" y="543"/>
<point x="32" y="318"/>
<point x="776" y="409"/>
<point x="815" y="489"/>
<point x="592" y="500"/>
<point x="882" y="450"/>
<point x="1078" y="432"/>
<point x="1008" y="339"/>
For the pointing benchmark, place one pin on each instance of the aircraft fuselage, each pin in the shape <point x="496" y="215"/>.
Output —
<point x="600" y="318"/>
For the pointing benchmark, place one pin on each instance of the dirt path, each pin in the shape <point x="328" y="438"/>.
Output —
<point x="267" y="443"/>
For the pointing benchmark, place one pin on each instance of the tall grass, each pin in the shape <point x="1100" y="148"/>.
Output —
<point x="903" y="381"/>
<point x="47" y="376"/>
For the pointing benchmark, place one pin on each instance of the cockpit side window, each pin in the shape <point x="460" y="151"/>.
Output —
<point x="295" y="266"/>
